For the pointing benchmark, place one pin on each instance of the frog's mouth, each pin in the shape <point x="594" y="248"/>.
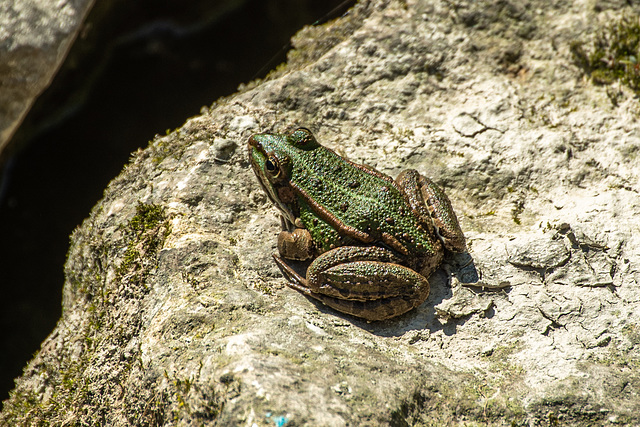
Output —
<point x="278" y="191"/>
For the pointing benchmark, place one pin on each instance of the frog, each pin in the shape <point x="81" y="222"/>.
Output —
<point x="372" y="241"/>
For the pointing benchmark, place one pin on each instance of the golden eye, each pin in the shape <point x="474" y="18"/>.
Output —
<point x="272" y="165"/>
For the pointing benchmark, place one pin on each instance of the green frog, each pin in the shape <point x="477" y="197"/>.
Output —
<point x="374" y="241"/>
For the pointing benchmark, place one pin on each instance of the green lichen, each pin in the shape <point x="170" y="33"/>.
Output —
<point x="474" y="402"/>
<point x="618" y="357"/>
<point x="516" y="211"/>
<point x="206" y="405"/>
<point x="172" y="145"/>
<point x="147" y="217"/>
<point x="76" y="392"/>
<point x="145" y="233"/>
<point x="614" y="55"/>
<point x="632" y="332"/>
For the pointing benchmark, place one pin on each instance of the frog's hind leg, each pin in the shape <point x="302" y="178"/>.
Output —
<point x="380" y="309"/>
<point x="371" y="290"/>
<point x="430" y="203"/>
<point x="398" y="289"/>
<point x="290" y="274"/>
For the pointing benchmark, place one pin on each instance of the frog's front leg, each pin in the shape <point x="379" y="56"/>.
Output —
<point x="296" y="244"/>
<point x="366" y="282"/>
<point x="295" y="241"/>
<point x="433" y="207"/>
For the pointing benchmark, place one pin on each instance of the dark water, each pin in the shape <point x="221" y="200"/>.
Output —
<point x="154" y="65"/>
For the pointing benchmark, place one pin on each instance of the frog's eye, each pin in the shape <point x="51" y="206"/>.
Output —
<point x="272" y="166"/>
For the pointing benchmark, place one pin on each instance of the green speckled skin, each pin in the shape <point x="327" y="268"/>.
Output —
<point x="371" y="235"/>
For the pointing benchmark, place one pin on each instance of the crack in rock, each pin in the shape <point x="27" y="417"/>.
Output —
<point x="467" y="125"/>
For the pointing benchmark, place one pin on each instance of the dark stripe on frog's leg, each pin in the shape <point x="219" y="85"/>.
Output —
<point x="369" y="281"/>
<point x="365" y="282"/>
<point x="430" y="203"/>
<point x="377" y="309"/>
<point x="380" y="309"/>
<point x="346" y="254"/>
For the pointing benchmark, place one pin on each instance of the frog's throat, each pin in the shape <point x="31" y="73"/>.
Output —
<point x="285" y="210"/>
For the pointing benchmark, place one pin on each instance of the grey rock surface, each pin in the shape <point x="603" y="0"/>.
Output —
<point x="175" y="314"/>
<point x="35" y="36"/>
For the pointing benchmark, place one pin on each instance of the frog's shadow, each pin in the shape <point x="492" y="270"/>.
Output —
<point x="424" y="317"/>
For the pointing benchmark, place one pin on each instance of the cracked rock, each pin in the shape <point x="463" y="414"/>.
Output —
<point x="541" y="253"/>
<point x="467" y="125"/>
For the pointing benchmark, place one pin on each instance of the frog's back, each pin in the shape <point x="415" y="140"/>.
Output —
<point x="360" y="198"/>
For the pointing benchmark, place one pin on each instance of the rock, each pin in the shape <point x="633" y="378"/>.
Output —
<point x="174" y="312"/>
<point x="540" y="253"/>
<point x="30" y="57"/>
<point x="223" y="149"/>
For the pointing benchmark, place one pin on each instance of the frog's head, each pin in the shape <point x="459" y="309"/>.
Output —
<point x="272" y="157"/>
